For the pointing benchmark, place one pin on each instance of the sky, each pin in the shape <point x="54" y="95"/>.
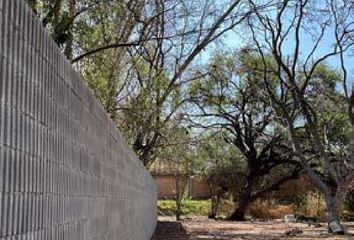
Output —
<point x="239" y="37"/>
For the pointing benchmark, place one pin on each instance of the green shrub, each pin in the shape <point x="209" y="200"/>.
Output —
<point x="189" y="207"/>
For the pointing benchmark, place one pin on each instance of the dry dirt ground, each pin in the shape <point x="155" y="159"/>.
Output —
<point x="198" y="228"/>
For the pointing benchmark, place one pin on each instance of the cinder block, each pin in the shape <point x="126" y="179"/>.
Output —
<point x="66" y="172"/>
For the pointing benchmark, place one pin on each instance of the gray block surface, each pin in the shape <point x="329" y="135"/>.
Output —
<point x="65" y="171"/>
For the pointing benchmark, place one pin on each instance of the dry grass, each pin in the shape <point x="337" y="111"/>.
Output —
<point x="268" y="209"/>
<point x="226" y="208"/>
<point x="314" y="206"/>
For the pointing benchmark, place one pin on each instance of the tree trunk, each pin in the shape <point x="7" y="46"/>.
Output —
<point x="178" y="196"/>
<point x="178" y="209"/>
<point x="214" y="207"/>
<point x="111" y="103"/>
<point x="69" y="43"/>
<point x="333" y="218"/>
<point x="239" y="213"/>
<point x="350" y="200"/>
<point x="215" y="202"/>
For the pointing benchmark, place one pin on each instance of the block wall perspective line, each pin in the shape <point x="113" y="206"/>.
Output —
<point x="65" y="171"/>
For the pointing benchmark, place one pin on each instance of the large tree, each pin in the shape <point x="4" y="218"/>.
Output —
<point x="136" y="55"/>
<point x="161" y="67"/>
<point x="222" y="165"/>
<point x="229" y="97"/>
<point x="300" y="36"/>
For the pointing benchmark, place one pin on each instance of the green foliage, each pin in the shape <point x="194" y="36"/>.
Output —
<point x="33" y="4"/>
<point x="232" y="97"/>
<point x="214" y="156"/>
<point x="189" y="207"/>
<point x="325" y="79"/>
<point x="62" y="29"/>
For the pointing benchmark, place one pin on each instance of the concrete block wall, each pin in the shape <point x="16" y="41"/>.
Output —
<point x="65" y="171"/>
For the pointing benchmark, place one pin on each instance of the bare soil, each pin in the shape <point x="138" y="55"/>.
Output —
<point x="200" y="228"/>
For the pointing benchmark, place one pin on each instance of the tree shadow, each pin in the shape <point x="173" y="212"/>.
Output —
<point x="229" y="234"/>
<point x="167" y="230"/>
<point x="203" y="235"/>
<point x="203" y="230"/>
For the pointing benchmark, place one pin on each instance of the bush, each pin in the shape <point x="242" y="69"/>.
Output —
<point x="189" y="207"/>
<point x="226" y="208"/>
<point x="312" y="204"/>
<point x="268" y="209"/>
<point x="316" y="205"/>
<point x="166" y="207"/>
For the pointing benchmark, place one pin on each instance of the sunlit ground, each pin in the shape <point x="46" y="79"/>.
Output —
<point x="200" y="228"/>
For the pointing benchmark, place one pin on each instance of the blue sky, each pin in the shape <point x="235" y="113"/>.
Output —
<point x="235" y="40"/>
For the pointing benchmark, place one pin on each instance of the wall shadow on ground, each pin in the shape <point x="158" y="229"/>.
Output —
<point x="167" y="230"/>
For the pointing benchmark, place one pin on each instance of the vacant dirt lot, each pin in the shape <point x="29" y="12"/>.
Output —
<point x="198" y="228"/>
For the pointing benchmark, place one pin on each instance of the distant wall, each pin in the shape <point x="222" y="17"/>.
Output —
<point x="65" y="171"/>
<point x="198" y="188"/>
<point x="166" y="185"/>
<point x="294" y="188"/>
